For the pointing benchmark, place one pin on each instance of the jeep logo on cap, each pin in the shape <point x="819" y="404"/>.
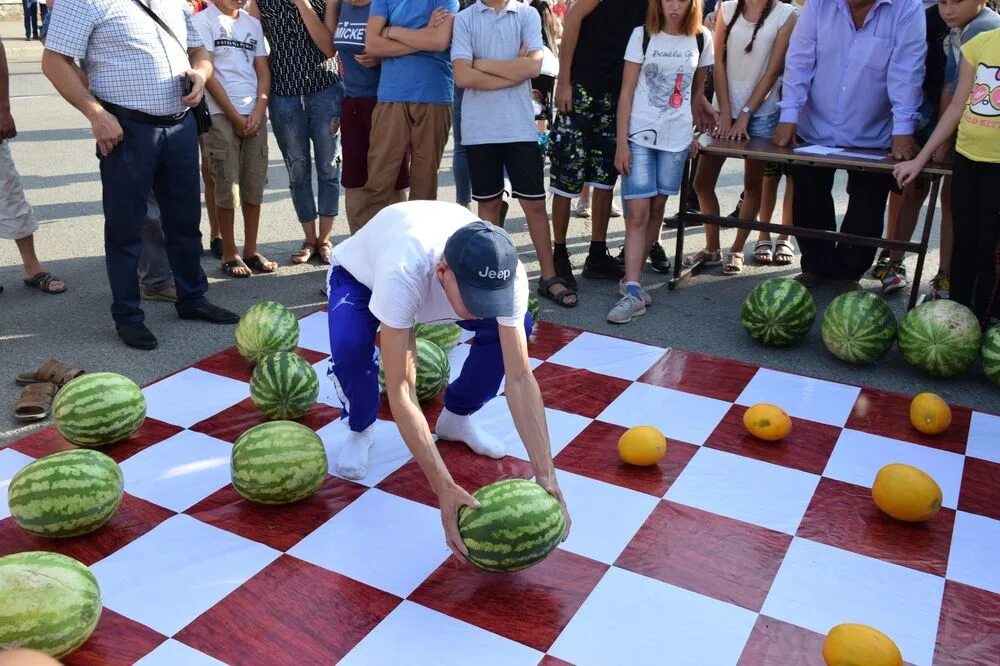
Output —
<point x="491" y="274"/>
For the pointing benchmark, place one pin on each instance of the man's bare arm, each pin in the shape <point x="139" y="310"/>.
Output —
<point x="61" y="71"/>
<point x="380" y="47"/>
<point x="517" y="70"/>
<point x="467" y="76"/>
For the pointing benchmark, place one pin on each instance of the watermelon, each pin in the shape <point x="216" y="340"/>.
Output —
<point x="66" y="494"/>
<point x="858" y="327"/>
<point x="98" y="408"/>
<point x="991" y="354"/>
<point x="51" y="602"/>
<point x="284" y="386"/>
<point x="778" y="312"/>
<point x="445" y="336"/>
<point x="940" y="337"/>
<point x="266" y="328"/>
<point x="278" y="463"/>
<point x="517" y="525"/>
<point x="433" y="370"/>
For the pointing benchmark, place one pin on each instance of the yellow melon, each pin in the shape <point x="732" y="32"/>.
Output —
<point x="906" y="493"/>
<point x="930" y="414"/>
<point x="859" y="645"/>
<point x="642" y="445"/>
<point x="767" y="422"/>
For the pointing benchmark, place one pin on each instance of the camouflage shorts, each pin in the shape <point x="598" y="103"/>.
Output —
<point x="582" y="144"/>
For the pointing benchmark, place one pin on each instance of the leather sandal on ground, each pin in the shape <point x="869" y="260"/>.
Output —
<point x="734" y="263"/>
<point x="762" y="252"/>
<point x="230" y="268"/>
<point x="784" y="253"/>
<point x="325" y="250"/>
<point x="561" y="298"/>
<point x="52" y="371"/>
<point x="43" y="282"/>
<point x="35" y="401"/>
<point x="260" y="263"/>
<point x="704" y="257"/>
<point x="304" y="254"/>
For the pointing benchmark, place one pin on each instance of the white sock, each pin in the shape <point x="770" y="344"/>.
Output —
<point x="457" y="428"/>
<point x="352" y="463"/>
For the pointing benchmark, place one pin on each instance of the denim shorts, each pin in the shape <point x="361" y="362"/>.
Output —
<point x="762" y="127"/>
<point x="653" y="172"/>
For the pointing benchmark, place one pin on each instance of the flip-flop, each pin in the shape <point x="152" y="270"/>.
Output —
<point x="229" y="268"/>
<point x="43" y="282"/>
<point x="259" y="263"/>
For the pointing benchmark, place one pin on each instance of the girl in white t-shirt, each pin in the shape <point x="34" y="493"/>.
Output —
<point x="753" y="37"/>
<point x="665" y="68"/>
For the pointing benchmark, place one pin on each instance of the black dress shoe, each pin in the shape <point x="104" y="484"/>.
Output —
<point x="136" y="335"/>
<point x="211" y="313"/>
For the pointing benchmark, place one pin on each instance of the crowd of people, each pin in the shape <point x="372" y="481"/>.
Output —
<point x="365" y="94"/>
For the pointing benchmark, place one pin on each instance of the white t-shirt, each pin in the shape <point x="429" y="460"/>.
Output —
<point x="661" y="108"/>
<point x="234" y="43"/>
<point x="395" y="255"/>
<point x="744" y="70"/>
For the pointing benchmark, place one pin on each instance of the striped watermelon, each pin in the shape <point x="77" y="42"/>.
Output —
<point x="991" y="354"/>
<point x="940" y="337"/>
<point x="51" y="602"/>
<point x="778" y="312"/>
<point x="98" y="408"/>
<point x="858" y="327"/>
<point x="445" y="336"/>
<point x="278" y="463"/>
<point x="284" y="386"/>
<point x="66" y="494"/>
<point x="517" y="525"/>
<point x="266" y="328"/>
<point x="433" y="370"/>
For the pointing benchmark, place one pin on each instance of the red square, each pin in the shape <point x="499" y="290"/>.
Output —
<point x="134" y="518"/>
<point x="776" y="643"/>
<point x="692" y="372"/>
<point x="980" y="488"/>
<point x="845" y="516"/>
<point x="577" y="391"/>
<point x="594" y="453"/>
<point x="807" y="448"/>
<point x="229" y="363"/>
<point x="888" y="414"/>
<point x="549" y="660"/>
<point x="232" y="422"/>
<point x="470" y="471"/>
<point x="548" y="338"/>
<point x="292" y="613"/>
<point x="969" y="628"/>
<point x="431" y="409"/>
<point x="531" y="606"/>
<point x="117" y="640"/>
<point x="48" y="441"/>
<point x="707" y="553"/>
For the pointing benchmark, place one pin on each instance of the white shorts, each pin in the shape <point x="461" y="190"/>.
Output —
<point x="16" y="218"/>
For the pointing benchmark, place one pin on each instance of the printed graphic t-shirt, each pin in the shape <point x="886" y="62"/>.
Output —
<point x="349" y="39"/>
<point x="661" y="108"/>
<point x="233" y="43"/>
<point x="979" y="130"/>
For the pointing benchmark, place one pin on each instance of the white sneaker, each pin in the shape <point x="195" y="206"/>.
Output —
<point x="627" y="309"/>
<point x="646" y="298"/>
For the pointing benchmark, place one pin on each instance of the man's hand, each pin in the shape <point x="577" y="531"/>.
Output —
<point x="107" y="131"/>
<point x="366" y="60"/>
<point x="255" y="121"/>
<point x="552" y="487"/>
<point x="904" y="147"/>
<point x="564" y="96"/>
<point x="192" y="99"/>
<point x="785" y="135"/>
<point x="438" y="17"/>
<point x="8" y="130"/>
<point x="451" y="500"/>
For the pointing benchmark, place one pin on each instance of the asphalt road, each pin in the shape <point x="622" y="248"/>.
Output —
<point x="55" y="154"/>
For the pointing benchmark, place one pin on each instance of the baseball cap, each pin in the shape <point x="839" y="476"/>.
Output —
<point x="484" y="260"/>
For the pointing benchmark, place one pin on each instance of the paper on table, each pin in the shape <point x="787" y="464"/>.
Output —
<point x="817" y="150"/>
<point x="863" y="156"/>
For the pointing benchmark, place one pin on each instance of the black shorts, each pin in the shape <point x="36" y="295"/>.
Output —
<point x="523" y="162"/>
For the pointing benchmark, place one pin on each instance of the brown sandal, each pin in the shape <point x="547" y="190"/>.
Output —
<point x="304" y="254"/>
<point x="325" y="250"/>
<point x="35" y="401"/>
<point x="52" y="371"/>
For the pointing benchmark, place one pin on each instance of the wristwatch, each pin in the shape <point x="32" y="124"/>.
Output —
<point x="746" y="110"/>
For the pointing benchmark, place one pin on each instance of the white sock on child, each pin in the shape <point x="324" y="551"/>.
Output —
<point x="457" y="428"/>
<point x="352" y="463"/>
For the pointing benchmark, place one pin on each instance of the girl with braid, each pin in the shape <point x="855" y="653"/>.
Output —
<point x="752" y="37"/>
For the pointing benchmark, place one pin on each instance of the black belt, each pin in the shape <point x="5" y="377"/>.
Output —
<point x="144" y="118"/>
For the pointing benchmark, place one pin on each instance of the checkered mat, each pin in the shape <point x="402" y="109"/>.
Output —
<point x="730" y="551"/>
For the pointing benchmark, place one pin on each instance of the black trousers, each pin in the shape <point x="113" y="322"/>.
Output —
<point x="975" y="258"/>
<point x="812" y="208"/>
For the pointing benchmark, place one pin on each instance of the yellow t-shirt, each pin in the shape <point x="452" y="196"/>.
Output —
<point x="979" y="129"/>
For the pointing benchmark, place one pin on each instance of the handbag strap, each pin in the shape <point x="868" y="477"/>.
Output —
<point x="160" y="22"/>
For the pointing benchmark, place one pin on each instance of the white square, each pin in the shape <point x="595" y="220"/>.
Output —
<point x="745" y="489"/>
<point x="495" y="418"/>
<point x="327" y="391"/>
<point x="605" y="516"/>
<point x="631" y="619"/>
<point x="819" y="587"/>
<point x="172" y="653"/>
<point x="456" y="359"/>
<point x="533" y="363"/>
<point x="413" y="634"/>
<point x="11" y="462"/>
<point x="604" y="355"/>
<point x="803" y="397"/>
<point x="858" y="457"/>
<point x="380" y="539"/>
<point x="191" y="396"/>
<point x="314" y="333"/>
<point x="684" y="416"/>
<point x="180" y="471"/>
<point x="975" y="544"/>
<point x="387" y="455"/>
<point x="984" y="437"/>
<point x="177" y="571"/>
